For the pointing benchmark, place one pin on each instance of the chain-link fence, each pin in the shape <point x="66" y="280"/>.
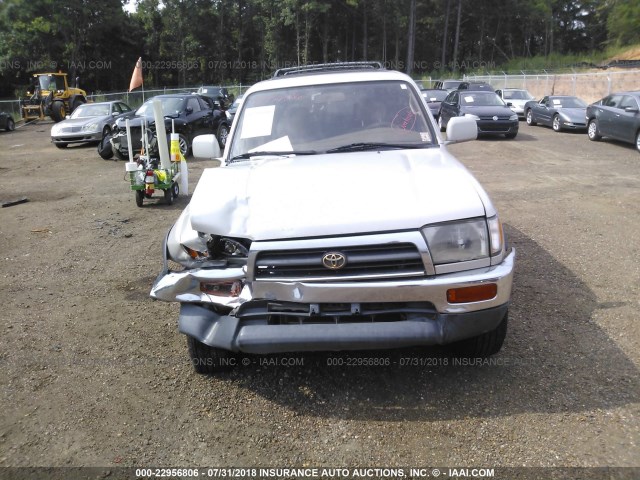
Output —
<point x="588" y="86"/>
<point x="133" y="99"/>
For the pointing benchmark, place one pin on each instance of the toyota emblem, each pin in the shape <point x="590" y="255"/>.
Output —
<point x="495" y="117"/>
<point x="334" y="260"/>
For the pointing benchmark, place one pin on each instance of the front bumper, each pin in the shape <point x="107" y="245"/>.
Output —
<point x="253" y="336"/>
<point x="243" y="323"/>
<point x="79" y="137"/>
<point x="497" y="127"/>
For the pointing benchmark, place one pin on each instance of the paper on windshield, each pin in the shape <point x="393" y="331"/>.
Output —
<point x="282" y="144"/>
<point x="468" y="99"/>
<point x="258" y="121"/>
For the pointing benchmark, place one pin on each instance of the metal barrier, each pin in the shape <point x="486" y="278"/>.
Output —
<point x="588" y="86"/>
<point x="133" y="99"/>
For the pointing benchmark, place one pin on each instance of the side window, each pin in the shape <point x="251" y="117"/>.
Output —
<point x="613" y="101"/>
<point x="203" y="104"/>
<point x="544" y="101"/>
<point x="116" y="108"/>
<point x="455" y="97"/>
<point x="124" y="107"/>
<point x="628" y="101"/>
<point x="194" y="104"/>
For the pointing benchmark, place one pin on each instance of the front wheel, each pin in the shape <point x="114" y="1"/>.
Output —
<point x="139" y="198"/>
<point x="104" y="148"/>
<point x="638" y="140"/>
<point x="168" y="196"/>
<point x="223" y="133"/>
<point x="441" y="124"/>
<point x="555" y="124"/>
<point x="58" y="111"/>
<point x="11" y="125"/>
<point x="529" y="118"/>
<point x="593" y="132"/>
<point x="482" y="346"/>
<point x="208" y="360"/>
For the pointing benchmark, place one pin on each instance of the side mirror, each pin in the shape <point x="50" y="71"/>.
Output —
<point x="631" y="109"/>
<point x="461" y="129"/>
<point x="115" y="114"/>
<point x="509" y="104"/>
<point x="206" y="147"/>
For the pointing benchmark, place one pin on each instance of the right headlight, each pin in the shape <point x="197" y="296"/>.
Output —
<point x="464" y="240"/>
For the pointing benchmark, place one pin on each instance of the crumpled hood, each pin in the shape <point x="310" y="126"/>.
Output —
<point x="335" y="194"/>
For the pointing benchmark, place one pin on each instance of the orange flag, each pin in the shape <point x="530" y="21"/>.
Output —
<point x="136" y="78"/>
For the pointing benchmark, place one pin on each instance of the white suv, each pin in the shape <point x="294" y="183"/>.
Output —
<point x="338" y="220"/>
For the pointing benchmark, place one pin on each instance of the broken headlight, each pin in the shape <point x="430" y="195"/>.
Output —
<point x="212" y="251"/>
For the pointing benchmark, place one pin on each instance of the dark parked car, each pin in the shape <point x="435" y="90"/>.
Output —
<point x="560" y="112"/>
<point x="231" y="112"/>
<point x="447" y="85"/>
<point x="434" y="99"/>
<point x="6" y="122"/>
<point x="191" y="114"/>
<point x="218" y="94"/>
<point x="477" y="86"/>
<point x="616" y="116"/>
<point x="491" y="114"/>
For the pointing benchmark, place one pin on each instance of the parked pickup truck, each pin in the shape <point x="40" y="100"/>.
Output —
<point x="338" y="220"/>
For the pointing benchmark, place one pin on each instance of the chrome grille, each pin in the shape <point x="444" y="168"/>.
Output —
<point x="373" y="261"/>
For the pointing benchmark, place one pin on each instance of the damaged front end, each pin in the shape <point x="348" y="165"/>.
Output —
<point x="203" y="268"/>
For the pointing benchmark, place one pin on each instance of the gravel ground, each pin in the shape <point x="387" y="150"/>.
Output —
<point x="94" y="373"/>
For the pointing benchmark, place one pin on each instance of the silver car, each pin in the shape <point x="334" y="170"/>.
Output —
<point x="89" y="122"/>
<point x="515" y="98"/>
<point x="325" y="231"/>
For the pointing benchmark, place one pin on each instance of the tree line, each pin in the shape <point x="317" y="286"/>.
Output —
<point x="195" y="42"/>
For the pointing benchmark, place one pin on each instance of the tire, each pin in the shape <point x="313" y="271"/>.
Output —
<point x="61" y="145"/>
<point x="168" y="196"/>
<point x="510" y="135"/>
<point x="139" y="198"/>
<point x="184" y="145"/>
<point x="175" y="188"/>
<point x="638" y="140"/>
<point x="555" y="123"/>
<point x="58" y="111"/>
<point x="223" y="133"/>
<point x="76" y="103"/>
<point x="206" y="359"/>
<point x="105" y="150"/>
<point x="11" y="125"/>
<point x="529" y="118"/>
<point x="482" y="346"/>
<point x="593" y="132"/>
<point x="441" y="124"/>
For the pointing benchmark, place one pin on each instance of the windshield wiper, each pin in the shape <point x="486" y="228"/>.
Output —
<point x="273" y="153"/>
<point x="361" y="147"/>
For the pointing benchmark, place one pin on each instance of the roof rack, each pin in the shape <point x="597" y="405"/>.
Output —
<point x="327" y="67"/>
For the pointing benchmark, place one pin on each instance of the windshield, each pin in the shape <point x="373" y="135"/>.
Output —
<point x="434" y="95"/>
<point x="480" y="99"/>
<point x="170" y="106"/>
<point x="89" y="110"/>
<point x="451" y="84"/>
<point x="51" y="82"/>
<point x="568" y="102"/>
<point x="319" y="118"/>
<point x="516" y="95"/>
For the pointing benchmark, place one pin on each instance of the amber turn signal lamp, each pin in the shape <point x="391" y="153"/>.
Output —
<point x="477" y="293"/>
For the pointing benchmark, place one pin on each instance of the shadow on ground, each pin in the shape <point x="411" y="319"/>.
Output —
<point x="555" y="359"/>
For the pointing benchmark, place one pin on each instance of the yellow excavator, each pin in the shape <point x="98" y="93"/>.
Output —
<point x="50" y="95"/>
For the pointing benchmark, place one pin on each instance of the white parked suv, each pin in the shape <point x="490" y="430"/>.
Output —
<point x="338" y="220"/>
